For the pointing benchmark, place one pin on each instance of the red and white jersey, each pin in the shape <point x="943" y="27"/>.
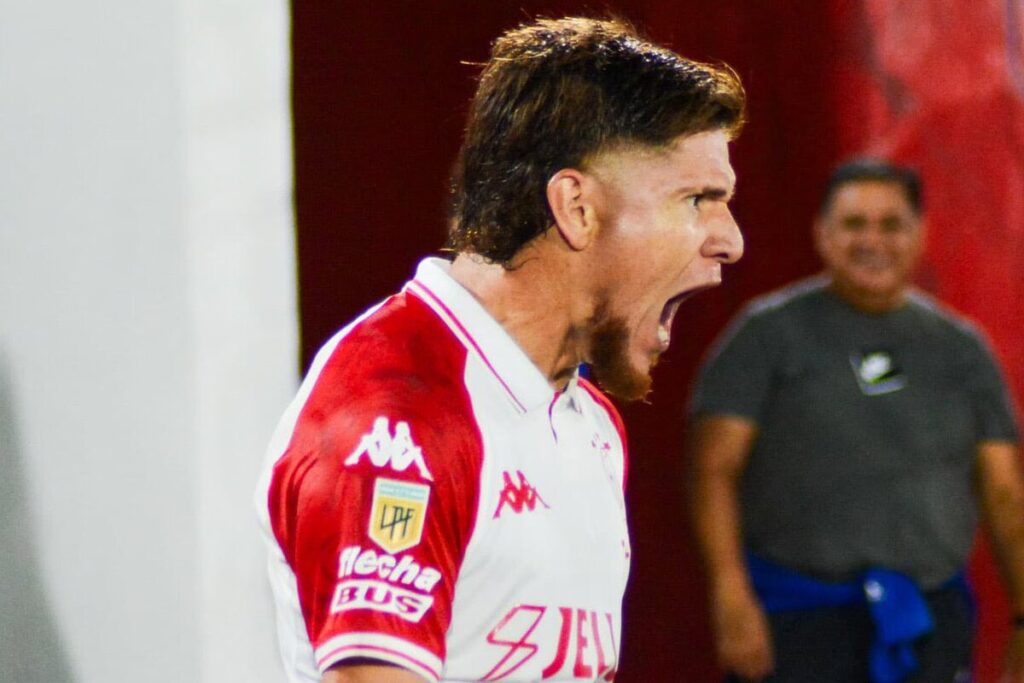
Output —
<point x="431" y="502"/>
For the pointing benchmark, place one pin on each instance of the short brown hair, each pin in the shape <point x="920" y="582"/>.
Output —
<point x="874" y="170"/>
<point x="556" y="92"/>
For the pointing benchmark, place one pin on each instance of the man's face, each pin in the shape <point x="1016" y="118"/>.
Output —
<point x="870" y="239"/>
<point x="665" y="231"/>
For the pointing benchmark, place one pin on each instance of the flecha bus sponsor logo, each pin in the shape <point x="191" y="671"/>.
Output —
<point x="518" y="495"/>
<point x="383" y="583"/>
<point x="585" y="645"/>
<point x="357" y="561"/>
<point x="380" y="597"/>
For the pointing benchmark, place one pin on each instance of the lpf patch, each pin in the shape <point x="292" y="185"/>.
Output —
<point x="877" y="372"/>
<point x="399" y="510"/>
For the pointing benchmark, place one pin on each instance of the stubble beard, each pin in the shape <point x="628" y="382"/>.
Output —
<point x="609" y="358"/>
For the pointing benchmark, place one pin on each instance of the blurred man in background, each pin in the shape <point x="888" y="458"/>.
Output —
<point x="847" y="431"/>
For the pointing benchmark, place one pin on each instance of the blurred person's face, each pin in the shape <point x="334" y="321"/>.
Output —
<point x="665" y="231"/>
<point x="870" y="239"/>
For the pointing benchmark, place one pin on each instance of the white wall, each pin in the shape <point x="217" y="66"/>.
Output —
<point x="147" y="334"/>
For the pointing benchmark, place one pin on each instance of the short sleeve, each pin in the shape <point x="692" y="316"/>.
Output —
<point x="735" y="378"/>
<point x="992" y="405"/>
<point x="373" y="505"/>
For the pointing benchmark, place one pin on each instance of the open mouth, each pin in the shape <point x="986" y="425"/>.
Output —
<point x="668" y="313"/>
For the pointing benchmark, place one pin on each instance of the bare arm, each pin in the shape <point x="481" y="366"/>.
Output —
<point x="369" y="673"/>
<point x="719" y="447"/>
<point x="1000" y="487"/>
<point x="718" y="454"/>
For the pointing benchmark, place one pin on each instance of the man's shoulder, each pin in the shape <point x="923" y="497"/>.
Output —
<point x="398" y="360"/>
<point x="787" y="300"/>
<point x="942" y="318"/>
<point x="399" y="345"/>
<point x="780" y="310"/>
<point x="389" y="386"/>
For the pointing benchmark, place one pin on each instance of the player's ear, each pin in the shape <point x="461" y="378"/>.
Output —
<point x="570" y="194"/>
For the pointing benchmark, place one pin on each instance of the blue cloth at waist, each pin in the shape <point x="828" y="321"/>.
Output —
<point x="896" y="604"/>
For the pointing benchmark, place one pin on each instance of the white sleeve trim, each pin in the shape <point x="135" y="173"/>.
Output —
<point x="379" y="646"/>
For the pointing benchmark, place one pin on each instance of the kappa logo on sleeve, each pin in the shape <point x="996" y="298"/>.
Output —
<point x="398" y="513"/>
<point x="384" y="448"/>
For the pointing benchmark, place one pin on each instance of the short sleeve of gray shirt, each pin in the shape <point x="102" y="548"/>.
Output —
<point x="736" y="378"/>
<point x="993" y="405"/>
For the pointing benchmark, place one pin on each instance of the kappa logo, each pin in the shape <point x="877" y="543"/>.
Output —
<point x="384" y="448"/>
<point x="518" y="496"/>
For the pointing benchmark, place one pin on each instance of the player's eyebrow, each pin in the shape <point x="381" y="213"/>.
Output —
<point x="718" y="193"/>
<point x="715" y="191"/>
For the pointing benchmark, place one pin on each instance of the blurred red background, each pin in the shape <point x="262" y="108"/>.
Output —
<point x="379" y="97"/>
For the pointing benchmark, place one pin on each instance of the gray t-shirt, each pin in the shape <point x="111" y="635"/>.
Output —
<point x="868" y="425"/>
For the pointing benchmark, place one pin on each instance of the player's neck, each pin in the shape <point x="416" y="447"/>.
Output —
<point x="533" y="300"/>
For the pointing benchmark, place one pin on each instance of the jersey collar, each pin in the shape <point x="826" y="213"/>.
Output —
<point x="481" y="334"/>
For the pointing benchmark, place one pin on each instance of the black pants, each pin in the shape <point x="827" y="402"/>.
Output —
<point x="831" y="645"/>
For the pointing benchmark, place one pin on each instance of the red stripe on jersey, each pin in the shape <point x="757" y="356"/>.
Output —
<point x="455" y="321"/>
<point x="386" y="653"/>
<point x="401" y="363"/>
<point x="620" y="426"/>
